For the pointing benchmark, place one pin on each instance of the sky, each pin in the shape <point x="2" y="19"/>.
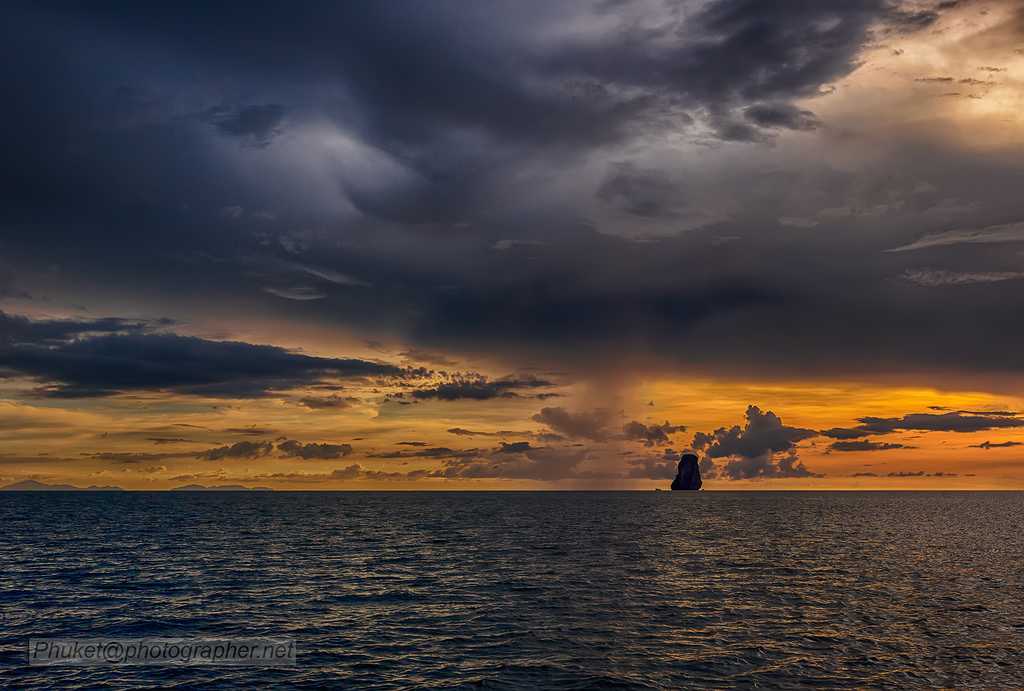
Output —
<point x="513" y="245"/>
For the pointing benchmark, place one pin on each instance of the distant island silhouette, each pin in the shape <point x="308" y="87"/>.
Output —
<point x="35" y="486"/>
<point x="687" y="474"/>
<point x="219" y="488"/>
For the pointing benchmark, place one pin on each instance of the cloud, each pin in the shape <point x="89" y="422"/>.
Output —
<point x="241" y="449"/>
<point x="784" y="115"/>
<point x="928" y="422"/>
<point x="17" y="330"/>
<point x="429" y="452"/>
<point x="654" y="467"/>
<point x="591" y="425"/>
<point x="326" y="402"/>
<point x="250" y="431"/>
<point x="300" y="293"/>
<point x="933" y="278"/>
<point x="107" y="364"/>
<point x="753" y="449"/>
<point x="918" y="473"/>
<point x="480" y="388"/>
<point x="645" y="193"/>
<point x="130" y="458"/>
<point x="254" y="125"/>
<point x="864" y="445"/>
<point x="651" y="435"/>
<point x="431" y="358"/>
<point x="996" y="445"/>
<point x="542" y="436"/>
<point x="1007" y="232"/>
<point x="313" y="451"/>
<point x="429" y="161"/>
<point x="534" y="463"/>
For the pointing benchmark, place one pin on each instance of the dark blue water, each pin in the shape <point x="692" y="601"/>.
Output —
<point x="513" y="590"/>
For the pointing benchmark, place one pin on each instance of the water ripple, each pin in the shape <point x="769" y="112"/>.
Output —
<point x="527" y="590"/>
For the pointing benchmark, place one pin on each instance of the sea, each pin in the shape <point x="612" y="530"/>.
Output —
<point x="526" y="590"/>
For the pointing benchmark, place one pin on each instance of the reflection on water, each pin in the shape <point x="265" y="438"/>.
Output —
<point x="528" y="589"/>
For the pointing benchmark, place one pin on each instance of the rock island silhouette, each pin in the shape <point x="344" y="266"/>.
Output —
<point x="688" y="473"/>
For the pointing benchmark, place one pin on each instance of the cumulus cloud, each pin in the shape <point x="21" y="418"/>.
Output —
<point x="763" y="447"/>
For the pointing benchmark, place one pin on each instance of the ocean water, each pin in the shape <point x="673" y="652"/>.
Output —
<point x="527" y="590"/>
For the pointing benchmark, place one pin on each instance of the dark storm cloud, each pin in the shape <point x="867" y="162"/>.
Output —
<point x="312" y="450"/>
<point x="864" y="445"/>
<point x="125" y="176"/>
<point x="927" y="422"/>
<point x="753" y="451"/>
<point x="107" y="364"/>
<point x="482" y="389"/>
